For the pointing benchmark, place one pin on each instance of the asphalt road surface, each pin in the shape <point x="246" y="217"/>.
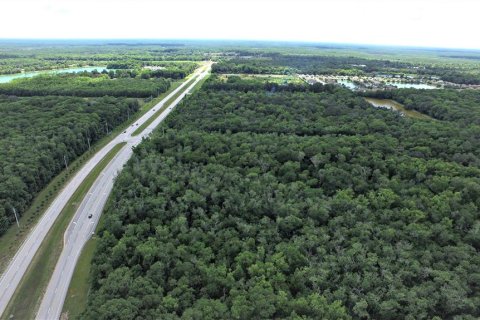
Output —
<point x="81" y="227"/>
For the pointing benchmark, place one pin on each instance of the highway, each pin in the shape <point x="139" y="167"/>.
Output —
<point x="81" y="227"/>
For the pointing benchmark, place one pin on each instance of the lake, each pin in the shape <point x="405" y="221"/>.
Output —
<point x="394" y="105"/>
<point x="9" y="77"/>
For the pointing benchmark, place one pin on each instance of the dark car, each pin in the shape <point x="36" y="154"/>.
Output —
<point x="90" y="216"/>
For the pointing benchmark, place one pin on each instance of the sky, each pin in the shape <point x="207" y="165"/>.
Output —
<point x="426" y="23"/>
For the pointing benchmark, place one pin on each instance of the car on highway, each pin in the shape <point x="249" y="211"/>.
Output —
<point x="90" y="216"/>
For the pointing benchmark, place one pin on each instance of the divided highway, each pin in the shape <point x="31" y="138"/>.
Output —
<point x="81" y="227"/>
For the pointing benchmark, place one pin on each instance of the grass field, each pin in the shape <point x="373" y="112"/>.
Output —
<point x="27" y="297"/>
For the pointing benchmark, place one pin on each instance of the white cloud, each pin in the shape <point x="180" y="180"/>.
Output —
<point x="408" y="22"/>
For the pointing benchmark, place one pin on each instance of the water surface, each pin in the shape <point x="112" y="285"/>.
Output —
<point x="9" y="77"/>
<point x="402" y="85"/>
<point x="347" y="83"/>
<point x="394" y="105"/>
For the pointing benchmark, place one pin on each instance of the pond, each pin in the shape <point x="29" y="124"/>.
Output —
<point x="402" y="85"/>
<point x="394" y="105"/>
<point x="9" y="77"/>
<point x="348" y="84"/>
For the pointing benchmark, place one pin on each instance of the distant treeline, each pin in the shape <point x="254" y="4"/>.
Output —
<point x="281" y="64"/>
<point x="239" y="84"/>
<point x="84" y="86"/>
<point x="133" y="69"/>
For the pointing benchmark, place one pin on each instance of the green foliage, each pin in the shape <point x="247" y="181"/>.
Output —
<point x="276" y="63"/>
<point x="37" y="132"/>
<point x="291" y="204"/>
<point x="259" y="200"/>
<point x="263" y="84"/>
<point x="20" y="56"/>
<point x="94" y="85"/>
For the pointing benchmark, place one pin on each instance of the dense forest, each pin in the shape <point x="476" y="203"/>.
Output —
<point x="36" y="133"/>
<point x="261" y="198"/>
<point x="264" y="201"/>
<point x="84" y="85"/>
<point x="42" y="122"/>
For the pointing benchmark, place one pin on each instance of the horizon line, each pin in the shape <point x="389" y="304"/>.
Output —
<point x="285" y="41"/>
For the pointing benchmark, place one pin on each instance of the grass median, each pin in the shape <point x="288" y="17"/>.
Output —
<point x="76" y="299"/>
<point x="29" y="293"/>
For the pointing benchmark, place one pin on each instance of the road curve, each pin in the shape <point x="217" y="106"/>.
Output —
<point x="82" y="227"/>
<point x="22" y="259"/>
